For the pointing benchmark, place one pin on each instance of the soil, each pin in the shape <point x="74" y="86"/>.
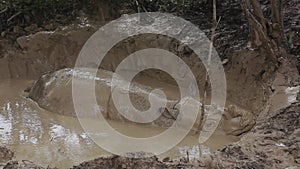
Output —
<point x="5" y="154"/>
<point x="272" y="143"/>
<point x="23" y="165"/>
<point x="48" y="138"/>
<point x="263" y="107"/>
<point x="130" y="161"/>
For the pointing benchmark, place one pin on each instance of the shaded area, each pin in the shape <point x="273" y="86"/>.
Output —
<point x="272" y="143"/>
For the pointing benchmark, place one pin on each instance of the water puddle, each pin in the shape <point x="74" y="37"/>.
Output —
<point x="47" y="138"/>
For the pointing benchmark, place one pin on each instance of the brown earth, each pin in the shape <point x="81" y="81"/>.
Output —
<point x="5" y="154"/>
<point x="263" y="101"/>
<point x="272" y="143"/>
<point x="22" y="165"/>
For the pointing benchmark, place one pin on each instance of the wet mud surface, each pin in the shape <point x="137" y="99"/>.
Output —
<point x="259" y="129"/>
<point x="47" y="138"/>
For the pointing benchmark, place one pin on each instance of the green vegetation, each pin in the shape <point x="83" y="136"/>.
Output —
<point x="25" y="12"/>
<point x="166" y="5"/>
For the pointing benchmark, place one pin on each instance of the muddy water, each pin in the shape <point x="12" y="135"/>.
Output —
<point x="47" y="138"/>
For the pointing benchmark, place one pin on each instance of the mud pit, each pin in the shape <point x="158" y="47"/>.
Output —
<point x="47" y="133"/>
<point x="48" y="138"/>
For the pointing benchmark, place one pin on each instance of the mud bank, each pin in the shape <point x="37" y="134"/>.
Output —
<point x="256" y="90"/>
<point x="5" y="154"/>
<point x="48" y="138"/>
<point x="23" y="165"/>
<point x="130" y="161"/>
<point x="273" y="136"/>
<point x="259" y="129"/>
<point x="272" y="143"/>
<point x="43" y="51"/>
<point x="51" y="90"/>
<point x="249" y="85"/>
<point x="249" y="74"/>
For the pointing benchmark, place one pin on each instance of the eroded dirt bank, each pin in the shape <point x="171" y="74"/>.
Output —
<point x="271" y="143"/>
<point x="276" y="122"/>
<point x="262" y="108"/>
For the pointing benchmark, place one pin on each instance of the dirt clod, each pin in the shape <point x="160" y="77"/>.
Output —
<point x="5" y="154"/>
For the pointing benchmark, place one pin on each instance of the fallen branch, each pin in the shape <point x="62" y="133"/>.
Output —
<point x="12" y="17"/>
<point x="4" y="10"/>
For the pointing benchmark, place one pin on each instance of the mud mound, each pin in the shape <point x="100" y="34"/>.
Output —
<point x="23" y="165"/>
<point x="53" y="92"/>
<point x="44" y="51"/>
<point x="115" y="162"/>
<point x="5" y="154"/>
<point x="259" y="93"/>
<point x="273" y="143"/>
<point x="37" y="57"/>
<point x="248" y="77"/>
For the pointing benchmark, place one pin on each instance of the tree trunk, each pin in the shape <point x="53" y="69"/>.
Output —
<point x="265" y="35"/>
<point x="277" y="20"/>
<point x="10" y="4"/>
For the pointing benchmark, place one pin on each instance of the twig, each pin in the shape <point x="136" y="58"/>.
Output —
<point x="4" y="10"/>
<point x="214" y="27"/>
<point x="218" y="21"/>
<point x="138" y="5"/>
<point x="26" y="162"/>
<point x="12" y="17"/>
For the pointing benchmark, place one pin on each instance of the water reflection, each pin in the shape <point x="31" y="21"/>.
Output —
<point x="40" y="136"/>
<point x="48" y="138"/>
<point x="5" y="128"/>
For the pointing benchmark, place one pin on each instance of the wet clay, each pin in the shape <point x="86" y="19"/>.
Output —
<point x="54" y="93"/>
<point x="48" y="138"/>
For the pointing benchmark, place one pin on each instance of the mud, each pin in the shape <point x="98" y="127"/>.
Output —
<point x="5" y="154"/>
<point x="249" y="75"/>
<point x="53" y="50"/>
<point x="272" y="139"/>
<point x="51" y="90"/>
<point x="272" y="143"/>
<point x="43" y="51"/>
<point x="129" y="161"/>
<point x="23" y="165"/>
<point x="47" y="138"/>
<point x="250" y="85"/>
<point x="259" y="129"/>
